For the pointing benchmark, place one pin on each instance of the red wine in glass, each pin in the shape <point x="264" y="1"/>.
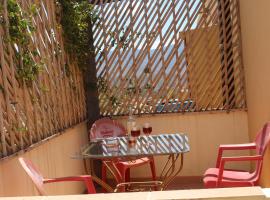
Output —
<point x="147" y="129"/>
<point x="135" y="132"/>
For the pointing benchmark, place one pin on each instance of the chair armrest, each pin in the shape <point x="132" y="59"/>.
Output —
<point x="258" y="158"/>
<point x="238" y="146"/>
<point x="246" y="146"/>
<point x="241" y="158"/>
<point x="85" y="178"/>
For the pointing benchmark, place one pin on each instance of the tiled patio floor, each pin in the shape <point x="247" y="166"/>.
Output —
<point x="192" y="182"/>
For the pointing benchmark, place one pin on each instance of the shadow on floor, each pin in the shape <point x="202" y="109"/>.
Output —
<point x="180" y="183"/>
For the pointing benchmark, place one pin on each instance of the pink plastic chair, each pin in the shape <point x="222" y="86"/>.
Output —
<point x="106" y="127"/>
<point x="219" y="177"/>
<point x="39" y="181"/>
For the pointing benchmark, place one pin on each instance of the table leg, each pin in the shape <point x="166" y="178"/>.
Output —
<point x="165" y="166"/>
<point x="168" y="173"/>
<point x="138" y="186"/>
<point x="129" y="186"/>
<point x="111" y="166"/>
<point x="104" y="185"/>
<point x="172" y="171"/>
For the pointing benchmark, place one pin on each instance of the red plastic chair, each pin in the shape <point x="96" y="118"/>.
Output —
<point x="220" y="177"/>
<point x="39" y="181"/>
<point x="106" y="127"/>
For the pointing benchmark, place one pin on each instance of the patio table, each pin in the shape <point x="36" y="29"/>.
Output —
<point x="172" y="145"/>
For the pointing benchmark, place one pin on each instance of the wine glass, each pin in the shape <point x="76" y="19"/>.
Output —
<point x="147" y="130"/>
<point x="135" y="132"/>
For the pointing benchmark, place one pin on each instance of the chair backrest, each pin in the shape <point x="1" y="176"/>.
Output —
<point x="262" y="139"/>
<point x="106" y="127"/>
<point x="34" y="174"/>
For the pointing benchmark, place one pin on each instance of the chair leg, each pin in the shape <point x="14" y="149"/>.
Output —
<point x="153" y="169"/>
<point x="123" y="172"/>
<point x="124" y="175"/>
<point x="127" y="175"/>
<point x="103" y="175"/>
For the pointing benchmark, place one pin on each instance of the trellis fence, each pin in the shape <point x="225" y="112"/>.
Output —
<point x="160" y="56"/>
<point x="154" y="56"/>
<point x="54" y="100"/>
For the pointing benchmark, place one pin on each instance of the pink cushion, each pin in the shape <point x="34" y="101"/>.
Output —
<point x="230" y="178"/>
<point x="105" y="127"/>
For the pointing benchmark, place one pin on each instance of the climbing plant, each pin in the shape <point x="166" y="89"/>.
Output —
<point x="20" y="28"/>
<point x="53" y="102"/>
<point x="75" y="16"/>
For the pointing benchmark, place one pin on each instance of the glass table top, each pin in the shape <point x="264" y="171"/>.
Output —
<point x="153" y="145"/>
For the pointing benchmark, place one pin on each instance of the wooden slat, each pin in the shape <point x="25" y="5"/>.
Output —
<point x="30" y="114"/>
<point x="191" y="77"/>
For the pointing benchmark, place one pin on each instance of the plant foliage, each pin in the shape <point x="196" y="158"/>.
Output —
<point x="21" y="29"/>
<point x="76" y="16"/>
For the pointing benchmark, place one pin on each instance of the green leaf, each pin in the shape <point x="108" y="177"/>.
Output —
<point x="1" y="88"/>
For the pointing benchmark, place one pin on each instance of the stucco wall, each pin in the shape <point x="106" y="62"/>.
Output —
<point x="205" y="131"/>
<point x="53" y="159"/>
<point x="255" y="17"/>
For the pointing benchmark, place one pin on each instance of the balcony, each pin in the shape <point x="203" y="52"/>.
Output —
<point x="204" y="73"/>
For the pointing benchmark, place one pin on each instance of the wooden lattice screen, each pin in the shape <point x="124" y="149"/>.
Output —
<point x="168" y="56"/>
<point x="54" y="101"/>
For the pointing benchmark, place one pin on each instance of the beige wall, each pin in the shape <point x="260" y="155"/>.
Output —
<point x="205" y="132"/>
<point x="53" y="159"/>
<point x="255" y="26"/>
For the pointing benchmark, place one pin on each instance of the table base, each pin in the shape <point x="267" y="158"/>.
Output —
<point x="169" y="172"/>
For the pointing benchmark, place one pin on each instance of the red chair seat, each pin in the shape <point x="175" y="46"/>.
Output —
<point x="229" y="178"/>
<point x="134" y="163"/>
<point x="125" y="166"/>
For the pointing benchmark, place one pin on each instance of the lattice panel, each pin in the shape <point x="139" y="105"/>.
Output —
<point x="168" y="56"/>
<point x="55" y="101"/>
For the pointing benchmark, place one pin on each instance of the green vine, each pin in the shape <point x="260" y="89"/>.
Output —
<point x="75" y="18"/>
<point x="1" y="14"/>
<point x="1" y="88"/>
<point x="21" y="29"/>
<point x="16" y="127"/>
